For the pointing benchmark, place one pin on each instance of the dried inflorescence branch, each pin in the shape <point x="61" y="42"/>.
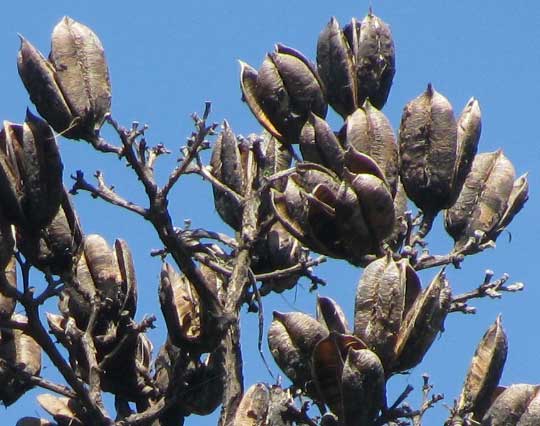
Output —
<point x="297" y="187"/>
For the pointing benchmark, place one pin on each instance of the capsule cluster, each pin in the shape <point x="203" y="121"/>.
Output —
<point x="395" y="323"/>
<point x="346" y="197"/>
<point x="71" y="89"/>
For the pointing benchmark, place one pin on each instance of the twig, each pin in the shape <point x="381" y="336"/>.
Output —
<point x="38" y="380"/>
<point x="488" y="288"/>
<point x="104" y="192"/>
<point x="195" y="143"/>
<point x="300" y="416"/>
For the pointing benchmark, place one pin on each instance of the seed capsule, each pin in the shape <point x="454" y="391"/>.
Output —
<point x="31" y="173"/>
<point x="489" y="200"/>
<point x="19" y="350"/>
<point x="384" y="295"/>
<point x="33" y="421"/>
<point x="72" y="90"/>
<point x="57" y="247"/>
<point x="331" y="315"/>
<point x="227" y="166"/>
<point x="510" y="406"/>
<point x="356" y="63"/>
<point x="180" y="306"/>
<point x="368" y="130"/>
<point x="66" y="411"/>
<point x="318" y="144"/>
<point x="291" y="339"/>
<point x="422" y="323"/>
<point x="484" y="372"/>
<point x="327" y="368"/>
<point x="8" y="279"/>
<point x="362" y="386"/>
<point x="283" y="92"/>
<point x="253" y="408"/>
<point x="345" y="219"/>
<point x="427" y="146"/>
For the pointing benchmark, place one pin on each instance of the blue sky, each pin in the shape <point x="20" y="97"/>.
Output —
<point x="166" y="58"/>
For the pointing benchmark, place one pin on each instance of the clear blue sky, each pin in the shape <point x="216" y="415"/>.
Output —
<point x="166" y="58"/>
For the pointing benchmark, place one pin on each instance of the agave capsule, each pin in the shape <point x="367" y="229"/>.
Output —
<point x="356" y="63"/>
<point x="484" y="372"/>
<point x="31" y="173"/>
<point x="291" y="338"/>
<point x="510" y="408"/>
<point x="489" y="200"/>
<point x="72" y="89"/>
<point x="283" y="92"/>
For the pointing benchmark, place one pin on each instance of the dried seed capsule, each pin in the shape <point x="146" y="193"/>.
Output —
<point x="72" y="91"/>
<point x="422" y="323"/>
<point x="291" y="338"/>
<point x="31" y="173"/>
<point x="82" y="73"/>
<point x="531" y="416"/>
<point x="57" y="247"/>
<point x="346" y="218"/>
<point x="284" y="91"/>
<point x="327" y="367"/>
<point x="488" y="201"/>
<point x="227" y="166"/>
<point x="39" y="77"/>
<point x="362" y="386"/>
<point x="180" y="306"/>
<point x="375" y="59"/>
<point x="510" y="405"/>
<point x="66" y="411"/>
<point x="128" y="288"/>
<point x="356" y="63"/>
<point x="368" y="130"/>
<point x="469" y="127"/>
<point x="277" y="250"/>
<point x="331" y="315"/>
<point x="8" y="279"/>
<point x="380" y="304"/>
<point x="318" y="144"/>
<point x="33" y="421"/>
<point x="484" y="372"/>
<point x="253" y="408"/>
<point x="427" y="147"/>
<point x="19" y="350"/>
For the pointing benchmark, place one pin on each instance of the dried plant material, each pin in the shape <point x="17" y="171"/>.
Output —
<point x="368" y="130"/>
<point x="484" y="372"/>
<point x="18" y="350"/>
<point x="319" y="144"/>
<point x="33" y="421"/>
<point x="278" y="249"/>
<point x="128" y="287"/>
<point x="356" y="63"/>
<point x="380" y="306"/>
<point x="31" y="173"/>
<point x="345" y="219"/>
<point x="9" y="280"/>
<point x="422" y="323"/>
<point x="65" y="411"/>
<point x="180" y="307"/>
<point x="427" y="147"/>
<point x="510" y="405"/>
<point x="253" y="408"/>
<point x="490" y="198"/>
<point x="469" y="128"/>
<point x="58" y="246"/>
<point x="283" y="92"/>
<point x="291" y="338"/>
<point x="362" y="386"/>
<point x="331" y="315"/>
<point x="72" y="89"/>
<point x="327" y="367"/>
<point x="227" y="166"/>
<point x="531" y="416"/>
